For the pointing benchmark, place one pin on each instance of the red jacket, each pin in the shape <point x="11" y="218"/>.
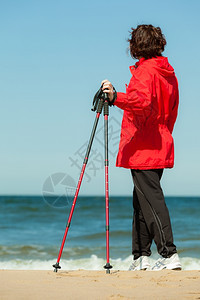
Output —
<point x="150" y="107"/>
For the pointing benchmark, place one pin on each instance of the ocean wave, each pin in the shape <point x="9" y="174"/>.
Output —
<point x="91" y="263"/>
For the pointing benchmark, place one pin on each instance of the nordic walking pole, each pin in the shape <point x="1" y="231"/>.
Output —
<point x="98" y="103"/>
<point x="106" y="114"/>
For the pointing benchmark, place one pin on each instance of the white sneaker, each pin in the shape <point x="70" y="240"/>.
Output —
<point x="171" y="263"/>
<point x="141" y="263"/>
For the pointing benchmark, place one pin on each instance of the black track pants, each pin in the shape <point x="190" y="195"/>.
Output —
<point x="151" y="219"/>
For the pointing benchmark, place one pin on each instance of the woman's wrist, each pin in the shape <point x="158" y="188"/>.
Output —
<point x="111" y="102"/>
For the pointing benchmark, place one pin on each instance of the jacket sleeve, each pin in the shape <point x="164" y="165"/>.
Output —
<point x="138" y="96"/>
<point x="174" y="113"/>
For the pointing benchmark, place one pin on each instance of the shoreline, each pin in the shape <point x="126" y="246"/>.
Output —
<point x="83" y="284"/>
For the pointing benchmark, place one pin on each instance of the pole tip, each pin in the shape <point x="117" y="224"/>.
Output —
<point x="108" y="267"/>
<point x="56" y="267"/>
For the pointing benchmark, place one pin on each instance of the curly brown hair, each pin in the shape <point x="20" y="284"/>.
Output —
<point x="146" y="41"/>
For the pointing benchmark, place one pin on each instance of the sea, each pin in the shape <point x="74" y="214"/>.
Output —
<point x="32" y="229"/>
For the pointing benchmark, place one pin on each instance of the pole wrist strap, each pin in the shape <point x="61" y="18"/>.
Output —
<point x="111" y="103"/>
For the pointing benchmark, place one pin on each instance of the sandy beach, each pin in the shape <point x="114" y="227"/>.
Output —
<point x="83" y="284"/>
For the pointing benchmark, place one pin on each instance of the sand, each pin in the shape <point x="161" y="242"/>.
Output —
<point x="81" y="284"/>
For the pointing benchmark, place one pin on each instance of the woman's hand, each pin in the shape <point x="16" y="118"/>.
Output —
<point x="107" y="87"/>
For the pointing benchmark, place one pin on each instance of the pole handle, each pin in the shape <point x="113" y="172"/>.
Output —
<point x="106" y="108"/>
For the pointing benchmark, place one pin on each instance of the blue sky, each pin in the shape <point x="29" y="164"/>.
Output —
<point x="53" y="56"/>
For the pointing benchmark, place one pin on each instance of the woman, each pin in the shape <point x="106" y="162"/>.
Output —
<point x="146" y="146"/>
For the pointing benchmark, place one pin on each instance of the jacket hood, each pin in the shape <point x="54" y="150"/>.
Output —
<point x="160" y="63"/>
